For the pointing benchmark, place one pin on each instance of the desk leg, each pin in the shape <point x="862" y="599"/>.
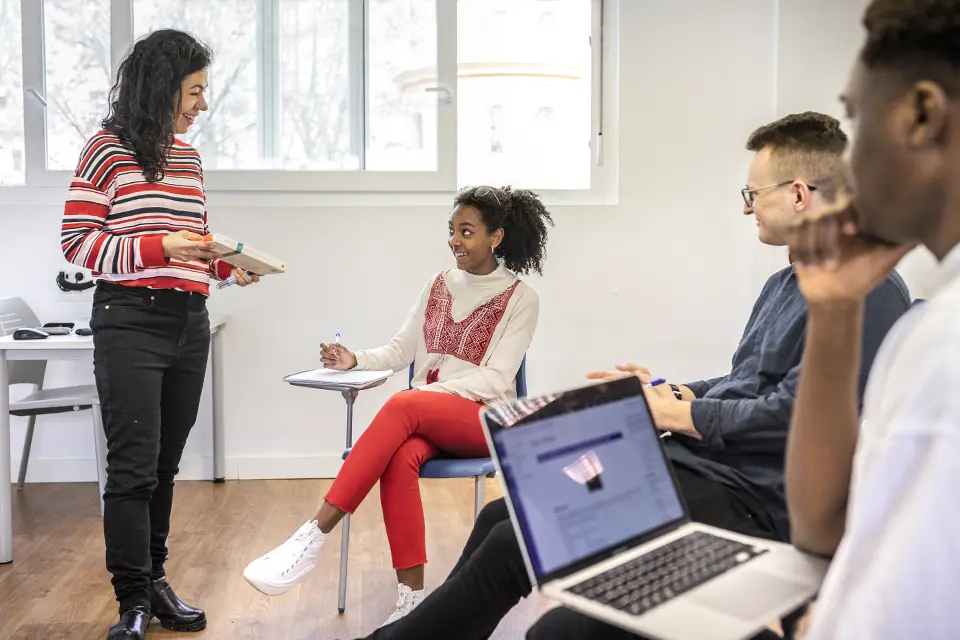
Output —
<point x="219" y="461"/>
<point x="350" y="396"/>
<point x="6" y="508"/>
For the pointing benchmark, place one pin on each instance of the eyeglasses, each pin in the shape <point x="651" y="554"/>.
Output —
<point x="484" y="191"/>
<point x="750" y="195"/>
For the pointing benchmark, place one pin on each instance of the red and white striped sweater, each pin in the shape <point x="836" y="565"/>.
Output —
<point x="114" y="220"/>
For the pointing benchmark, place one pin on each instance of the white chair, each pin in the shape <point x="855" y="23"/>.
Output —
<point x="14" y="314"/>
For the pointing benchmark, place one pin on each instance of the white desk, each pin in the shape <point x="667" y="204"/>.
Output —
<point x="81" y="348"/>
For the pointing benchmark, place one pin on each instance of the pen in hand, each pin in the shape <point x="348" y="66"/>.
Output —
<point x="336" y="347"/>
<point x="656" y="383"/>
<point x="231" y="280"/>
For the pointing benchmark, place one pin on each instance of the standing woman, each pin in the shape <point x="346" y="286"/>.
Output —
<point x="134" y="216"/>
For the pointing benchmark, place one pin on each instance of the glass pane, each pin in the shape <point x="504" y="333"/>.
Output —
<point x="227" y="135"/>
<point x="402" y="65"/>
<point x="315" y="95"/>
<point x="11" y="95"/>
<point x="524" y="93"/>
<point x="77" y="54"/>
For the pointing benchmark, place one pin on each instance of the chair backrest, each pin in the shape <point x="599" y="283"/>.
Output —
<point x="14" y="314"/>
<point x="521" y="378"/>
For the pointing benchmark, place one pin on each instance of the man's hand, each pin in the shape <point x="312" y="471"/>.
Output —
<point x="670" y="414"/>
<point x="834" y="262"/>
<point x="623" y="371"/>
<point x="243" y="278"/>
<point x="185" y="246"/>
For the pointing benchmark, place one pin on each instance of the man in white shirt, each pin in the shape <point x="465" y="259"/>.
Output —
<point x="881" y="496"/>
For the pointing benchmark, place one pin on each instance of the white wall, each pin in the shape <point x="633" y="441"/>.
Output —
<point x="819" y="41"/>
<point x="667" y="277"/>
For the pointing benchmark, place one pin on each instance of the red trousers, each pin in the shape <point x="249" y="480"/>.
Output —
<point x="411" y="428"/>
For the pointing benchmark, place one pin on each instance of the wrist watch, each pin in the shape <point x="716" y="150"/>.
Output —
<point x="676" y="392"/>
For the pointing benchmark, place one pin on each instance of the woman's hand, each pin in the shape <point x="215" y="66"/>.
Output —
<point x="243" y="278"/>
<point x="187" y="246"/>
<point x="337" y="357"/>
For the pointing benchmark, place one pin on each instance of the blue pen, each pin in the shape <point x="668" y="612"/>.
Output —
<point x="230" y="281"/>
<point x="656" y="383"/>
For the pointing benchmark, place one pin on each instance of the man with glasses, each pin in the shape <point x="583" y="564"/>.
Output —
<point x="727" y="435"/>
<point x="737" y="425"/>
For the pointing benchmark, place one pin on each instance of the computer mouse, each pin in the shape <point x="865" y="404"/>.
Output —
<point x="83" y="331"/>
<point x="25" y="333"/>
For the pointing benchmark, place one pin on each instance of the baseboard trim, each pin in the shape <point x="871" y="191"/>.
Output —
<point x="191" y="468"/>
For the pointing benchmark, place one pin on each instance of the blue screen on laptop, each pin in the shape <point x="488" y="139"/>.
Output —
<point x="586" y="480"/>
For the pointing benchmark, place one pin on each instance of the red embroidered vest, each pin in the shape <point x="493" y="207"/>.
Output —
<point x="468" y="339"/>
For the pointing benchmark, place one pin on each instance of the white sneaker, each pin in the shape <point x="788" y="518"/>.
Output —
<point x="276" y="572"/>
<point x="407" y="602"/>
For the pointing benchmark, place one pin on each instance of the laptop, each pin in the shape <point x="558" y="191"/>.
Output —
<point x="604" y="530"/>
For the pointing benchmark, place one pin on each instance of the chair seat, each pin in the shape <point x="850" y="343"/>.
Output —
<point x="58" y="399"/>
<point x="453" y="467"/>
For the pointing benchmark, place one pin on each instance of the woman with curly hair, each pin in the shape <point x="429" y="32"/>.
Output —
<point x="135" y="215"/>
<point x="467" y="334"/>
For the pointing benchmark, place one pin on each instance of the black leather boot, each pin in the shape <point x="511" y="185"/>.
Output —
<point x="132" y="626"/>
<point x="171" y="611"/>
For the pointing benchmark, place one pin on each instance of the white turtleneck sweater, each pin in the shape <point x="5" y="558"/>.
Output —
<point x="467" y="335"/>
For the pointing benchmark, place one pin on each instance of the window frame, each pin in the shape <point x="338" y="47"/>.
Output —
<point x="604" y="152"/>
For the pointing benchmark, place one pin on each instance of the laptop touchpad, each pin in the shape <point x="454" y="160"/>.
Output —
<point x="746" y="594"/>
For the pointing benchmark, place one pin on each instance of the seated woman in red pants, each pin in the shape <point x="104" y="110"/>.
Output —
<point x="467" y="333"/>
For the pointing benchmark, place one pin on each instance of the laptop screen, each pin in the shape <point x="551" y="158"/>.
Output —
<point x="585" y="471"/>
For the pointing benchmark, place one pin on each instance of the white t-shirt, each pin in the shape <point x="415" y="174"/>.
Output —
<point x="466" y="334"/>
<point x="896" y="574"/>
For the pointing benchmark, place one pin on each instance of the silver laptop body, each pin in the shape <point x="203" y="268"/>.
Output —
<point x="604" y="530"/>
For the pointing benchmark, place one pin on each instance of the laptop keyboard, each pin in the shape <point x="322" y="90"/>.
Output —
<point x="666" y="572"/>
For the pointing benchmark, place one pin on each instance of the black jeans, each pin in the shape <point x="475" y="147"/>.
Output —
<point x="491" y="578"/>
<point x="150" y="358"/>
<point x="488" y="580"/>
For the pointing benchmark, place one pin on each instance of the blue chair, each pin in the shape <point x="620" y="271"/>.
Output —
<point x="441" y="467"/>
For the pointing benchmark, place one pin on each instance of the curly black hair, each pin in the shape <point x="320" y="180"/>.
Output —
<point x="523" y="218"/>
<point x="918" y="36"/>
<point x="148" y="85"/>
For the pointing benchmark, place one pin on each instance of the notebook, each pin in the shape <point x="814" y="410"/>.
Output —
<point x="329" y="377"/>
<point x="244" y="257"/>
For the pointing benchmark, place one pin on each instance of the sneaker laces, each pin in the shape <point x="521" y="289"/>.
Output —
<point x="406" y="600"/>
<point x="296" y="545"/>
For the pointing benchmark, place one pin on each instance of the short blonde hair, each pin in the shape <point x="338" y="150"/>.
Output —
<point x="806" y="146"/>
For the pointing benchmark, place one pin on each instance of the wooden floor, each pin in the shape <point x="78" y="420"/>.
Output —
<point x="57" y="587"/>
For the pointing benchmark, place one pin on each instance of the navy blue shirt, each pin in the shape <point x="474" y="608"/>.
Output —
<point x="743" y="417"/>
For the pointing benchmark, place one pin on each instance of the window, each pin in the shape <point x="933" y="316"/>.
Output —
<point x="227" y="135"/>
<point x="12" y="170"/>
<point x="402" y="66"/>
<point x="327" y="95"/>
<point x="77" y="55"/>
<point x="496" y="122"/>
<point x="524" y="68"/>
<point x="287" y="88"/>
<point x="316" y="102"/>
